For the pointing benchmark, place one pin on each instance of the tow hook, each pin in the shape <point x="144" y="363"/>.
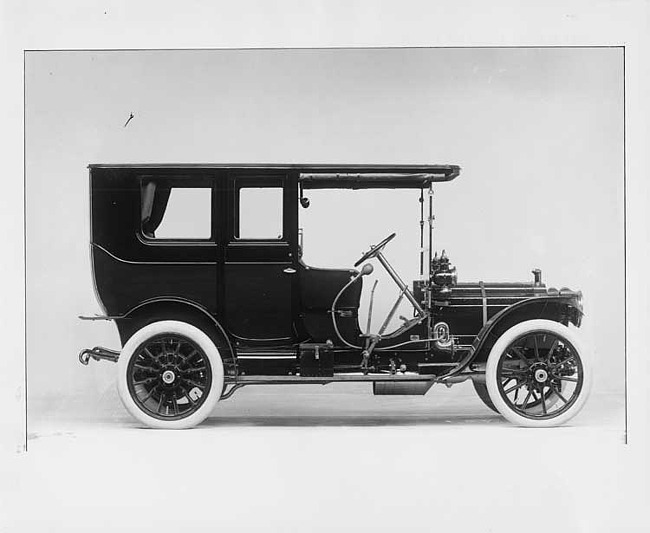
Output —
<point x="98" y="353"/>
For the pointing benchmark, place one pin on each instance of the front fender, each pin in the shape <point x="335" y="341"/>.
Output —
<point x="561" y="308"/>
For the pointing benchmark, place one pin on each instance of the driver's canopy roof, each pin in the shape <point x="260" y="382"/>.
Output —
<point x="375" y="176"/>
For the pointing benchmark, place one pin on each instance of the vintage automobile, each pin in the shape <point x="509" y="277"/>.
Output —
<point x="203" y="311"/>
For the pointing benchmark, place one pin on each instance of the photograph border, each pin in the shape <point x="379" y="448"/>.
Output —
<point x="292" y="48"/>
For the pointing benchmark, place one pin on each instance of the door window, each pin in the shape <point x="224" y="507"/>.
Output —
<point x="260" y="213"/>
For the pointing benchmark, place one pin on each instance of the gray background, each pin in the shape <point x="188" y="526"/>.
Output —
<point x="538" y="134"/>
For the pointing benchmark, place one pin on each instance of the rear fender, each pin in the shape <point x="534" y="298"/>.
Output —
<point x="173" y="308"/>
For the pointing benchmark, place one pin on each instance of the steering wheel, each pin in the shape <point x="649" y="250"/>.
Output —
<point x="374" y="250"/>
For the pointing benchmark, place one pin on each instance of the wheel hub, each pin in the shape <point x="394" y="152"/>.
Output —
<point x="168" y="377"/>
<point x="541" y="375"/>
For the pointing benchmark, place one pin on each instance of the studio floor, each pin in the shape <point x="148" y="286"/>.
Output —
<point x="339" y="405"/>
<point x="314" y="458"/>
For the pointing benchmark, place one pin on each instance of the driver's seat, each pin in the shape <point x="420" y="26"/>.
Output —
<point x="318" y="288"/>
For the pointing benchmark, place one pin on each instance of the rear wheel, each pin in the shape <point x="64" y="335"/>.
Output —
<point x="537" y="374"/>
<point x="170" y="375"/>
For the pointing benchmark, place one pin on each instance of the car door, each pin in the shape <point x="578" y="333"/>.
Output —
<point x="260" y="259"/>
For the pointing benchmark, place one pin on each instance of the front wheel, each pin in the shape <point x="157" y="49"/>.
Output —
<point x="170" y="375"/>
<point x="533" y="407"/>
<point x="537" y="374"/>
<point x="484" y="395"/>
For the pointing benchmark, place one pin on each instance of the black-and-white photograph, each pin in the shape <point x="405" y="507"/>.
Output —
<point x="424" y="231"/>
<point x="330" y="284"/>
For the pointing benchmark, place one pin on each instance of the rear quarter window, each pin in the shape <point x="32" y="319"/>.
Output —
<point x="170" y="212"/>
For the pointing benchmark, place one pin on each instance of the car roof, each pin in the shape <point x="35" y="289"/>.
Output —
<point x="327" y="176"/>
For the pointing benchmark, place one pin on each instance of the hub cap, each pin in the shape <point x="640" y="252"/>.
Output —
<point x="540" y="375"/>
<point x="169" y="377"/>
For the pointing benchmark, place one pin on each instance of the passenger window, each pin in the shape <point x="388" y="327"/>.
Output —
<point x="178" y="213"/>
<point x="260" y="213"/>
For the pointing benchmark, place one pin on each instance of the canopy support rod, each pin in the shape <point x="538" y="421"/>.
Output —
<point x="430" y="224"/>
<point x="421" y="232"/>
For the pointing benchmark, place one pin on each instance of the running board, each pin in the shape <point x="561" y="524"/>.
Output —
<point x="344" y="378"/>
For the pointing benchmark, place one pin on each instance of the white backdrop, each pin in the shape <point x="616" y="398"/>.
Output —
<point x="537" y="132"/>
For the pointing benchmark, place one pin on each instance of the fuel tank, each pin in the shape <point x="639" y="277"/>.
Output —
<point x="397" y="388"/>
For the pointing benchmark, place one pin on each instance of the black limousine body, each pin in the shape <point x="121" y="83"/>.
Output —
<point x="203" y="311"/>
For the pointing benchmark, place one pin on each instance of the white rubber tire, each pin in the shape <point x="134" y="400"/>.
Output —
<point x="502" y="344"/>
<point x="196" y="336"/>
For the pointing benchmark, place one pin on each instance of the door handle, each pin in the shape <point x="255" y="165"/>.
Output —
<point x="289" y="270"/>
